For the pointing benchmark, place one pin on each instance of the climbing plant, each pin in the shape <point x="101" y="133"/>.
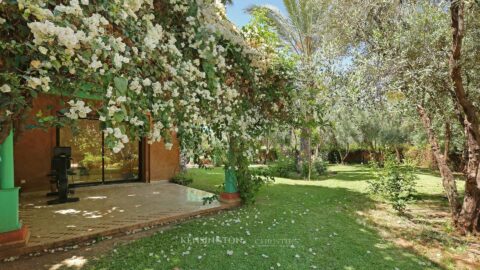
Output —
<point x="146" y="69"/>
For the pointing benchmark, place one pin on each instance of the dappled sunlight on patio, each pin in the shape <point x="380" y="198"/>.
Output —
<point x="67" y="211"/>
<point x="107" y="210"/>
<point x="73" y="262"/>
<point x="96" y="198"/>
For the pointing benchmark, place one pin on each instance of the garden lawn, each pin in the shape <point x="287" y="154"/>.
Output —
<point x="307" y="225"/>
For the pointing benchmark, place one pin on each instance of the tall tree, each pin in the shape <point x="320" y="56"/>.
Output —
<point x="407" y="46"/>
<point x="300" y="30"/>
<point x="469" y="219"/>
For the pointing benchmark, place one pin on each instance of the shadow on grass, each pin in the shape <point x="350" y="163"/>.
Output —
<point x="428" y="171"/>
<point x="347" y="173"/>
<point x="436" y="198"/>
<point x="351" y="176"/>
<point x="436" y="173"/>
<point x="337" y="211"/>
<point x="323" y="223"/>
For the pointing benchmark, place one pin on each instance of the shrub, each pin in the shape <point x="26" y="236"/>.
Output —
<point x="420" y="155"/>
<point x="394" y="182"/>
<point x="181" y="179"/>
<point x="91" y="161"/>
<point x="249" y="183"/>
<point x="284" y="167"/>
<point x="320" y="166"/>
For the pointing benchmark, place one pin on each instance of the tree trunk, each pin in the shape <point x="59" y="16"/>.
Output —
<point x="398" y="154"/>
<point x="305" y="151"/>
<point x="347" y="150"/>
<point x="470" y="213"/>
<point x="296" y="153"/>
<point x="458" y="31"/>
<point x="448" y="180"/>
<point x="310" y="158"/>
<point x="448" y="136"/>
<point x="339" y="152"/>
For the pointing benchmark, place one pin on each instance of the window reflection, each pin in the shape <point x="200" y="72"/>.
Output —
<point x="122" y="165"/>
<point x="86" y="143"/>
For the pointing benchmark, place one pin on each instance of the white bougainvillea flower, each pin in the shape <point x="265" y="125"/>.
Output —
<point x="5" y="88"/>
<point x="151" y="68"/>
<point x="78" y="109"/>
<point x="33" y="82"/>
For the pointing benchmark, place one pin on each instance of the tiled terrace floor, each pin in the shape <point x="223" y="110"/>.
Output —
<point x="106" y="210"/>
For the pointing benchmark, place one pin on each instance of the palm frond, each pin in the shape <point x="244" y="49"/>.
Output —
<point x="283" y="25"/>
<point x="302" y="26"/>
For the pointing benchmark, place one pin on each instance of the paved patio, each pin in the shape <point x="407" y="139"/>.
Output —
<point x="105" y="211"/>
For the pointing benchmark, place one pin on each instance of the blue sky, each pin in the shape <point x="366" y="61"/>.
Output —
<point x="236" y="12"/>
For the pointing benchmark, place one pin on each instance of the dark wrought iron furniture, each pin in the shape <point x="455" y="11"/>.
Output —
<point x="61" y="163"/>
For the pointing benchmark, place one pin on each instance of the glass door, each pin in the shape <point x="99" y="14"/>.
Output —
<point x="92" y="162"/>
<point x="86" y="146"/>
<point x="123" y="165"/>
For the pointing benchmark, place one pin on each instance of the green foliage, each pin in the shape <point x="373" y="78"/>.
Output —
<point x="91" y="161"/>
<point x="284" y="167"/>
<point x="249" y="181"/>
<point x="210" y="199"/>
<point x="249" y="184"/>
<point x="395" y="182"/>
<point x="182" y="179"/>
<point x="320" y="167"/>
<point x="219" y="156"/>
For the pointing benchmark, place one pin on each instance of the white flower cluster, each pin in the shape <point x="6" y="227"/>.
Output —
<point x="78" y="109"/>
<point x="72" y="9"/>
<point x="153" y="37"/>
<point x="5" y="88"/>
<point x="178" y="78"/>
<point x="48" y="31"/>
<point x="122" y="139"/>
<point x="43" y="82"/>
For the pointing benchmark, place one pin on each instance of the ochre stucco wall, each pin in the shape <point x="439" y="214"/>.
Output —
<point x="34" y="149"/>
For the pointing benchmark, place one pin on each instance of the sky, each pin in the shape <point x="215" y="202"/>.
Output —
<point x="236" y="12"/>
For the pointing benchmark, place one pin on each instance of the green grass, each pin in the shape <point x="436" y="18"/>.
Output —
<point x="207" y="179"/>
<point x="294" y="225"/>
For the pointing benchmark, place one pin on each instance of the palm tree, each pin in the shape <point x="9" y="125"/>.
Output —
<point x="300" y="29"/>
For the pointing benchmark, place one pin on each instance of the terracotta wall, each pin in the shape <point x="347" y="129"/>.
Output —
<point x="34" y="149"/>
<point x="163" y="163"/>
